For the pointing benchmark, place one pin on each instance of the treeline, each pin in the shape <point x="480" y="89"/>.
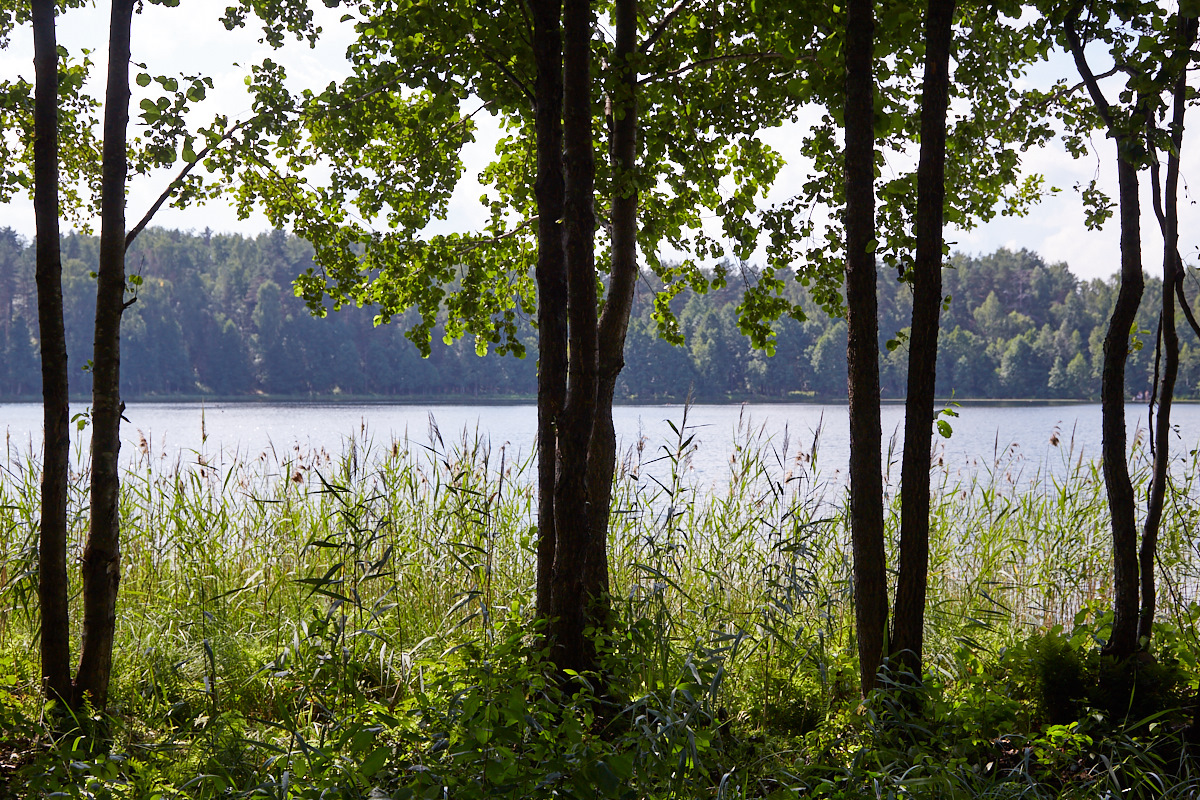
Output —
<point x="215" y="316"/>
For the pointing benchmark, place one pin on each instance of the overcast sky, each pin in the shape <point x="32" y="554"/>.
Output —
<point x="190" y="40"/>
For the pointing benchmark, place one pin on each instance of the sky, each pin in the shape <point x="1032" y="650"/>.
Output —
<point x="190" y="39"/>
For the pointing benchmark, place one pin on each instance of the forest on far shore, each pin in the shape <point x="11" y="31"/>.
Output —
<point x="215" y="316"/>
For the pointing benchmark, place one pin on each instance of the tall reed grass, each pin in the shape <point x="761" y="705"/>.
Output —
<point x="286" y="586"/>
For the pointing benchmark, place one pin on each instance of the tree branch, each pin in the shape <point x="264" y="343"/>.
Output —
<point x="661" y="28"/>
<point x="520" y="84"/>
<point x="706" y="62"/>
<point x="175" y="184"/>
<point x="1085" y="70"/>
<point x="1183" y="302"/>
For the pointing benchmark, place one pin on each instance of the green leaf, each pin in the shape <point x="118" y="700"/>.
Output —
<point x="143" y="79"/>
<point x="374" y="762"/>
<point x="944" y="428"/>
<point x="149" y="111"/>
<point x="607" y="780"/>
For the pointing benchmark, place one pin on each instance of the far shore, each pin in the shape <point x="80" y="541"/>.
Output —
<point x="515" y="400"/>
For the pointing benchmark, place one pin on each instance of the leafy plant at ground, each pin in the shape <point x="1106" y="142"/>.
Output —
<point x="312" y="623"/>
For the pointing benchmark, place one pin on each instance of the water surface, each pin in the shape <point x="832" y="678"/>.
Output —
<point x="1023" y="441"/>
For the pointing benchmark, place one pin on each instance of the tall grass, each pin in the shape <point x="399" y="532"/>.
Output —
<point x="266" y="597"/>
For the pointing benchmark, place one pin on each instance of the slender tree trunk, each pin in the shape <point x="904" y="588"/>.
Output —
<point x="862" y="350"/>
<point x="1159" y="477"/>
<point x="102" y="555"/>
<point x="52" y="544"/>
<point x="614" y="321"/>
<point x="551" y="278"/>
<point x="908" y="621"/>
<point x="1168" y="214"/>
<point x="572" y="509"/>
<point x="1121" y="500"/>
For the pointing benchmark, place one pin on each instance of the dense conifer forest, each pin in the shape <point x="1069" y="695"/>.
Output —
<point x="215" y="316"/>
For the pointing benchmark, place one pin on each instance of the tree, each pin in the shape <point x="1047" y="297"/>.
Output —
<point x="52" y="550"/>
<point x="102" y="552"/>
<point x="569" y="596"/>
<point x="1022" y="372"/>
<point x="862" y="349"/>
<point x="60" y="106"/>
<point x="986" y="142"/>
<point x="1116" y="347"/>
<point x="401" y="114"/>
<point x="613" y="325"/>
<point x="908" y="624"/>
<point x="1166" y="208"/>
<point x="1152" y="68"/>
<point x="551" y="280"/>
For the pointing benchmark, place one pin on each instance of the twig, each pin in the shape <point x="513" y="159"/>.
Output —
<point x="175" y="184"/>
<point x="705" y="62"/>
<point x="661" y="28"/>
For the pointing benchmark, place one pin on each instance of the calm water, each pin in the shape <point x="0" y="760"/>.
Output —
<point x="1017" y="439"/>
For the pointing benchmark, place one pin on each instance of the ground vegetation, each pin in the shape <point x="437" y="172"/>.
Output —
<point x="357" y="624"/>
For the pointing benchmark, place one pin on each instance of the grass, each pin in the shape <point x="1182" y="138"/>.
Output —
<point x="308" y="624"/>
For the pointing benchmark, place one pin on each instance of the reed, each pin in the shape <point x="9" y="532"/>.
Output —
<point x="270" y="602"/>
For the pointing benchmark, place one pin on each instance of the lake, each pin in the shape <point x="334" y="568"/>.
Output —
<point x="1024" y="441"/>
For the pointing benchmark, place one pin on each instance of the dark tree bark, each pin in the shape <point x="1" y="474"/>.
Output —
<point x="908" y="621"/>
<point x="1165" y="392"/>
<point x="52" y="542"/>
<point x="1121" y="500"/>
<point x="572" y="509"/>
<point x="614" y="321"/>
<point x="102" y="554"/>
<point x="1167" y="211"/>
<point x="551" y="278"/>
<point x="862" y="350"/>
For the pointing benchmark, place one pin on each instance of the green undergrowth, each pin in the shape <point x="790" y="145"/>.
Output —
<point x="305" y="624"/>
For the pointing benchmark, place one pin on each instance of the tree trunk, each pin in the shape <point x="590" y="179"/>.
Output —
<point x="908" y="621"/>
<point x="1121" y="501"/>
<point x="551" y="279"/>
<point x="572" y="509"/>
<point x="102" y="555"/>
<point x="614" y="321"/>
<point x="862" y="349"/>
<point x="1162" y="428"/>
<point x="52" y="544"/>
<point x="1168" y="213"/>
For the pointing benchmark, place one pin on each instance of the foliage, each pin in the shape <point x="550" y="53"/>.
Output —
<point x="421" y="74"/>
<point x="169" y="137"/>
